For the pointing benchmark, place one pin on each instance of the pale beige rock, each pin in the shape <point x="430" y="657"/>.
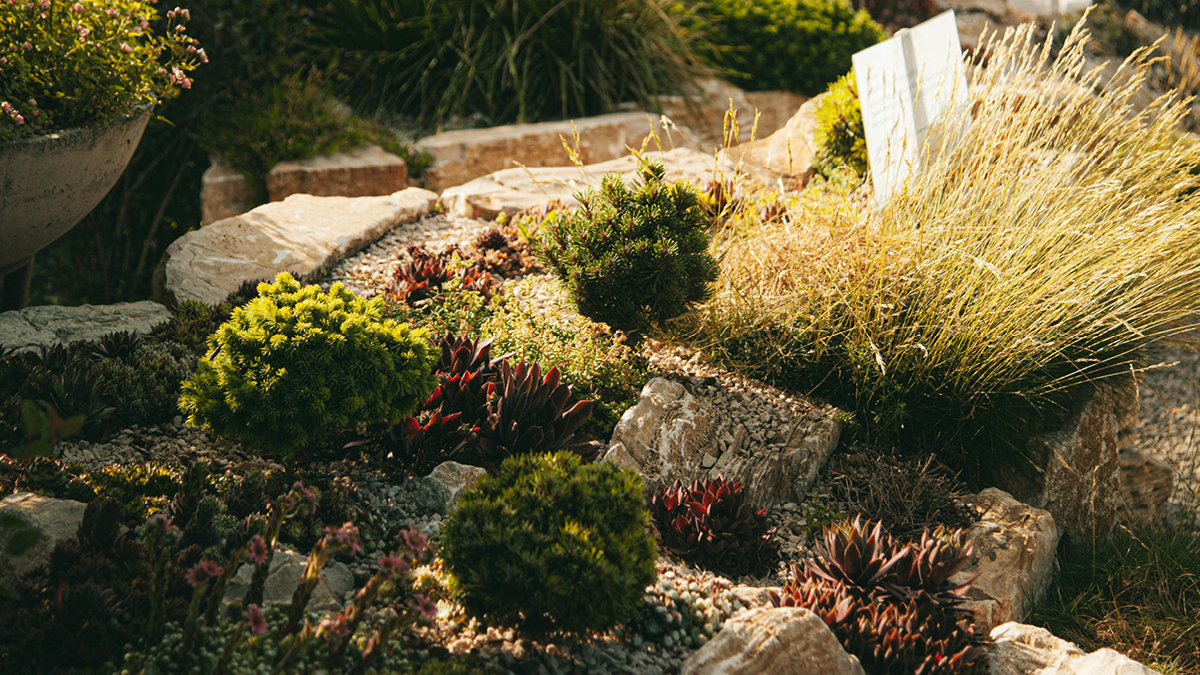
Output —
<point x="44" y="325"/>
<point x="366" y="172"/>
<point x="1019" y="649"/>
<point x="513" y="190"/>
<point x="58" y="520"/>
<point x="670" y="431"/>
<point x="464" y="155"/>
<point x="286" y="569"/>
<point x="704" y="112"/>
<point x="790" y="150"/>
<point x="226" y="192"/>
<point x="443" y="487"/>
<point x="1014" y="558"/>
<point x="773" y="640"/>
<point x="1142" y="29"/>
<point x="1147" y="482"/>
<point x="302" y="234"/>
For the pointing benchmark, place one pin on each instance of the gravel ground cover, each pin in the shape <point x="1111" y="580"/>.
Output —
<point x="1170" y="424"/>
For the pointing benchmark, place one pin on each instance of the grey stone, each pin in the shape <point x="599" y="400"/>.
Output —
<point x="1013" y="561"/>
<point x="58" y="520"/>
<point x="513" y="190"/>
<point x="670" y="431"/>
<point x="301" y="234"/>
<point x="773" y="640"/>
<point x="441" y="489"/>
<point x="1019" y="649"/>
<point x="286" y="570"/>
<point x="44" y="325"/>
<point x="1147" y="482"/>
<point x="226" y="192"/>
<point x="365" y="172"/>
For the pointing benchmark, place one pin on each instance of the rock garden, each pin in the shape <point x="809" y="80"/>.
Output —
<point x="572" y="362"/>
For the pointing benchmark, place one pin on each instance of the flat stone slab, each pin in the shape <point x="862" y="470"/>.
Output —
<point x="57" y="519"/>
<point x="301" y="234"/>
<point x="513" y="190"/>
<point x="44" y="325"/>
<point x="366" y="172"/>
<point x="1019" y="649"/>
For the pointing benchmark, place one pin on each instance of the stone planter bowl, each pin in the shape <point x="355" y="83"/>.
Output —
<point x="49" y="183"/>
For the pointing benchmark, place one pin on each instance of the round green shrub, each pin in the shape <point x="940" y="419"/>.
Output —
<point x="797" y="45"/>
<point x="631" y="256"/>
<point x="838" y="136"/>
<point x="549" y="544"/>
<point x="294" y="364"/>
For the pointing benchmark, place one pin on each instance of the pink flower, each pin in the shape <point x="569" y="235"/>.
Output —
<point x="27" y="45"/>
<point x="77" y="8"/>
<point x="416" y="539"/>
<point x="334" y="624"/>
<point x="126" y="48"/>
<point x="426" y="606"/>
<point x="44" y="4"/>
<point x="6" y="107"/>
<point x="18" y="119"/>
<point x="346" y="535"/>
<point x="391" y="565"/>
<point x="258" y="550"/>
<point x="258" y="622"/>
<point x="202" y="573"/>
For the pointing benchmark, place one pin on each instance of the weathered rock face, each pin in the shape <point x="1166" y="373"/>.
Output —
<point x="790" y="150"/>
<point x="704" y="112"/>
<point x="774" y="640"/>
<point x="513" y="190"/>
<point x="58" y="520"/>
<point x="1019" y="649"/>
<point x="1014" y="558"/>
<point x="226" y="192"/>
<point x="366" y="172"/>
<point x="672" y="433"/>
<point x="34" y="327"/>
<point x="1073" y="472"/>
<point x="467" y="154"/>
<point x="287" y="567"/>
<point x="1146" y="484"/>
<point x="975" y="16"/>
<point x="442" y="488"/>
<point x="301" y="234"/>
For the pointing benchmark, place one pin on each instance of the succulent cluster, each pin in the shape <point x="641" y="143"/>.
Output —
<point x="486" y="410"/>
<point x="892" y="605"/>
<point x="632" y="256"/>
<point x="427" y="273"/>
<point x="550" y="544"/>
<point x="709" y="523"/>
<point x="295" y="364"/>
<point x="684" y="611"/>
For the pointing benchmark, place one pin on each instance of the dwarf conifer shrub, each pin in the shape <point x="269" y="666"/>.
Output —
<point x="632" y="255"/>
<point x="296" y="363"/>
<point x="550" y="544"/>
<point x="839" y="136"/>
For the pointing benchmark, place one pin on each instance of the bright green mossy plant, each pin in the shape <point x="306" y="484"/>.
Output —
<point x="295" y="363"/>
<point x="631" y="256"/>
<point x="552" y="545"/>
<point x="838" y="136"/>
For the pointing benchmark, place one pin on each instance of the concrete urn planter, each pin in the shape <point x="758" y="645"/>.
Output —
<point x="49" y="183"/>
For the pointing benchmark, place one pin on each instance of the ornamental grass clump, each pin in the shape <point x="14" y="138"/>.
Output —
<point x="552" y="545"/>
<point x="633" y="255"/>
<point x="66" y="65"/>
<point x="295" y="364"/>
<point x="1048" y="249"/>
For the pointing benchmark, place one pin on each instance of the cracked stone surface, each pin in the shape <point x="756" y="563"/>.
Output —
<point x="44" y="325"/>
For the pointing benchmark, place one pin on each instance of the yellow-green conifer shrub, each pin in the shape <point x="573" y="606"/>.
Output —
<point x="295" y="364"/>
<point x="839" y="136"/>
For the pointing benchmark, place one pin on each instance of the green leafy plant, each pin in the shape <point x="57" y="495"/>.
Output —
<point x="797" y="45"/>
<point x="510" y="60"/>
<point x="295" y="363"/>
<point x="632" y="256"/>
<point x="71" y="65"/>
<point x="550" y="544"/>
<point x="838" y="136"/>
<point x="892" y="605"/>
<point x="709" y="523"/>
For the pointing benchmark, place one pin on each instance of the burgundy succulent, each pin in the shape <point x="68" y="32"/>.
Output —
<point x="419" y="278"/>
<point x="491" y="239"/>
<point x="709" y="523"/>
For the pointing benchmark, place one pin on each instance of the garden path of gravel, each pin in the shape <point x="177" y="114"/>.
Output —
<point x="1170" y="424"/>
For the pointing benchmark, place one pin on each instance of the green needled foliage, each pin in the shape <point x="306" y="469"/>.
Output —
<point x="839" y="137"/>
<point x="550" y="544"/>
<point x="631" y="256"/>
<point x="296" y="363"/>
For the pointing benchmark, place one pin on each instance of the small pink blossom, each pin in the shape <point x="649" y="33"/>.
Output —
<point x="18" y="119"/>
<point x="202" y="573"/>
<point x="258" y="550"/>
<point x="426" y="606"/>
<point x="258" y="622"/>
<point x="125" y="48"/>
<point x="346" y="535"/>
<point x="391" y="565"/>
<point x="44" y="4"/>
<point x="416" y="539"/>
<point x="27" y="45"/>
<point x="335" y="625"/>
<point x="77" y="8"/>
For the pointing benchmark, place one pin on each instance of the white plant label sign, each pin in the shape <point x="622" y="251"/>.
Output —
<point x="905" y="85"/>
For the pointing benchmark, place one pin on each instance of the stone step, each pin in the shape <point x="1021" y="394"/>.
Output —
<point x="35" y="327"/>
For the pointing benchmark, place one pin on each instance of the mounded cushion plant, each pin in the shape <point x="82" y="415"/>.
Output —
<point x="551" y="544"/>
<point x="633" y="255"/>
<point x="295" y="363"/>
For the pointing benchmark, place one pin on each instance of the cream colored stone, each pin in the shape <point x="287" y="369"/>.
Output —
<point x="790" y="150"/>
<point x="366" y="172"/>
<point x="44" y="325"/>
<point x="226" y="192"/>
<point x="57" y="519"/>
<point x="1019" y="649"/>
<point x="302" y="234"/>
<point x="773" y="640"/>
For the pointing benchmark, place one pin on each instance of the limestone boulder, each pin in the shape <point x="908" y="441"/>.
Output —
<point x="286" y="569"/>
<point x="56" y="519"/>
<point x="226" y="192"/>
<point x="675" y="434"/>
<point x="301" y="234"/>
<point x="790" y="150"/>
<point x="1019" y="649"/>
<point x="513" y="190"/>
<point x="1147" y="482"/>
<point x="773" y="640"/>
<point x="44" y="325"/>
<point x="441" y="489"/>
<point x="366" y="172"/>
<point x="1014" y="558"/>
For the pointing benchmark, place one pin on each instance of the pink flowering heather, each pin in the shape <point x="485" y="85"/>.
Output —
<point x="256" y="619"/>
